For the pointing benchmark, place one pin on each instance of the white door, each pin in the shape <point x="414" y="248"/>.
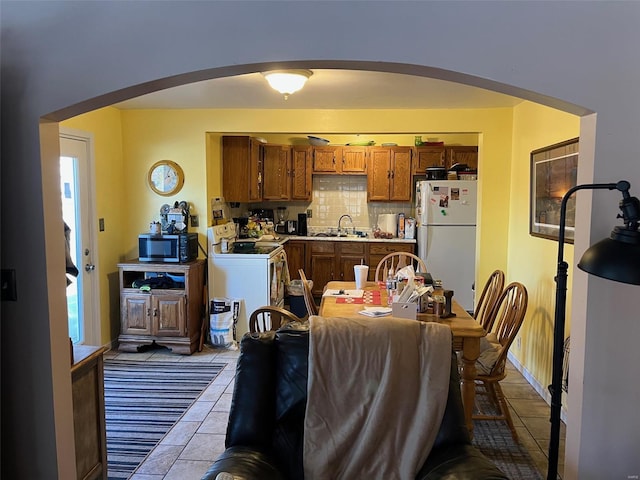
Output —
<point x="76" y="186"/>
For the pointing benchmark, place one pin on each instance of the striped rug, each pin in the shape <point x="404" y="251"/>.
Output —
<point x="143" y="400"/>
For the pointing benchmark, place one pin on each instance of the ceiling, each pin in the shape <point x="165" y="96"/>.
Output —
<point x="326" y="89"/>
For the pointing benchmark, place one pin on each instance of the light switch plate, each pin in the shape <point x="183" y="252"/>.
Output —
<point x="309" y="213"/>
<point x="194" y="221"/>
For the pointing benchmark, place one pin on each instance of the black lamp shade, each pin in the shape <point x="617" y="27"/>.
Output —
<point x="616" y="258"/>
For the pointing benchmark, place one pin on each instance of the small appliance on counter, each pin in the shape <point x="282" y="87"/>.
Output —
<point x="180" y="248"/>
<point x="302" y="224"/>
<point x="283" y="215"/>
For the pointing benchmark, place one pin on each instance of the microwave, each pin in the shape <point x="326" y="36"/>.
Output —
<point x="168" y="248"/>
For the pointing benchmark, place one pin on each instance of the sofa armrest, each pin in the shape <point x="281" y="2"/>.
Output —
<point x="244" y="462"/>
<point x="459" y="462"/>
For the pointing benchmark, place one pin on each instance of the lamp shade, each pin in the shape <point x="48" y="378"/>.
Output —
<point x="616" y="258"/>
<point x="287" y="81"/>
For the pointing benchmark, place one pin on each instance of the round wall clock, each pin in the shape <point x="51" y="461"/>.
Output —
<point x="165" y="177"/>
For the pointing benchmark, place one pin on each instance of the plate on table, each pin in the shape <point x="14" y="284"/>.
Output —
<point x="376" y="311"/>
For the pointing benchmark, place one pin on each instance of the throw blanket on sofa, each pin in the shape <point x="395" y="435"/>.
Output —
<point x="377" y="391"/>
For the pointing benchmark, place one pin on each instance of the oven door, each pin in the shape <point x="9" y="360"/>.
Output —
<point x="278" y="278"/>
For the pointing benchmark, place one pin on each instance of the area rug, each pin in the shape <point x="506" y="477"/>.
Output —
<point x="494" y="440"/>
<point x="143" y="400"/>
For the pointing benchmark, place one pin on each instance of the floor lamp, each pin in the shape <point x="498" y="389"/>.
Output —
<point x="615" y="258"/>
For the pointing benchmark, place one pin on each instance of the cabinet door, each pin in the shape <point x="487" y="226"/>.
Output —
<point x="301" y="182"/>
<point x="295" y="256"/>
<point x="255" y="171"/>
<point x="325" y="159"/>
<point x="241" y="169"/>
<point x="321" y="271"/>
<point x="276" y="167"/>
<point x="135" y="315"/>
<point x="428" y="157"/>
<point x="379" y="174"/>
<point x="462" y="154"/>
<point x="350" y="254"/>
<point x="354" y="160"/>
<point x="169" y="315"/>
<point x="400" y="187"/>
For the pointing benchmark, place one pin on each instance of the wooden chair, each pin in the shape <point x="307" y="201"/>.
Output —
<point x="395" y="261"/>
<point x="268" y="318"/>
<point x="509" y="314"/>
<point x="488" y="299"/>
<point x="312" y="308"/>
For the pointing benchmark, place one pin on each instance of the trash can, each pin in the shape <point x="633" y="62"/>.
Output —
<point x="295" y="290"/>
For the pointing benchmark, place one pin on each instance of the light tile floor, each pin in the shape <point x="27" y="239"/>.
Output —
<point x="191" y="446"/>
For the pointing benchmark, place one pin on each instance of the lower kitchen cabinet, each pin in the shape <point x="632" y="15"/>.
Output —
<point x="378" y="250"/>
<point x="321" y="264"/>
<point x="334" y="260"/>
<point x="170" y="316"/>
<point x="295" y="251"/>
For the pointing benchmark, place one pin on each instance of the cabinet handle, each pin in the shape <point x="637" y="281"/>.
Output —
<point x="388" y="173"/>
<point x="155" y="312"/>
<point x="148" y="312"/>
<point x="392" y="174"/>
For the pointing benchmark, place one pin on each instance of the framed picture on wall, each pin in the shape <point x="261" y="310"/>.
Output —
<point x="554" y="170"/>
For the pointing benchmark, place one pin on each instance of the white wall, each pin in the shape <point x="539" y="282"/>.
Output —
<point x="55" y="55"/>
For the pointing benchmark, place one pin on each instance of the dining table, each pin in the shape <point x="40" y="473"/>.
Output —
<point x="466" y="331"/>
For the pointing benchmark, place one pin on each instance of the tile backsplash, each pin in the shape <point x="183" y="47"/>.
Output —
<point x="333" y="196"/>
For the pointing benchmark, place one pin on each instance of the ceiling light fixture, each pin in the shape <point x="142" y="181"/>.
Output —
<point x="287" y="81"/>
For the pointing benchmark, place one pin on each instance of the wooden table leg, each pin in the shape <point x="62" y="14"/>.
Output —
<point x="470" y="353"/>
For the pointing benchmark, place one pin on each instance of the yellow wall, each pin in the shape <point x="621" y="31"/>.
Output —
<point x="128" y="204"/>
<point x="111" y="204"/>
<point x="533" y="260"/>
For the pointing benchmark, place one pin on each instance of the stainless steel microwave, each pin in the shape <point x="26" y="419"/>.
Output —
<point x="168" y="248"/>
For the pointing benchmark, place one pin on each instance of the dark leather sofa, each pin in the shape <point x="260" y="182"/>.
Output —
<point x="265" y="432"/>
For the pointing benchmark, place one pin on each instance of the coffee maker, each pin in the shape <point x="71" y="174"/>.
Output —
<point x="282" y="224"/>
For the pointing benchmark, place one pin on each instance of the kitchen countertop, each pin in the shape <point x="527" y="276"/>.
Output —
<point x="284" y="238"/>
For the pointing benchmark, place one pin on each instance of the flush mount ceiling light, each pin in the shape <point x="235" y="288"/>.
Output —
<point x="287" y="81"/>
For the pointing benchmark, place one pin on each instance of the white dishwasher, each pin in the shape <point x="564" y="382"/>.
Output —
<point x="258" y="277"/>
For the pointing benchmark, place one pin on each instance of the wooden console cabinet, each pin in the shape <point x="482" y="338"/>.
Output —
<point x="170" y="317"/>
<point x="87" y="385"/>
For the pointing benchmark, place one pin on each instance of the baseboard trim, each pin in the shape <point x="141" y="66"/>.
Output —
<point x="542" y="390"/>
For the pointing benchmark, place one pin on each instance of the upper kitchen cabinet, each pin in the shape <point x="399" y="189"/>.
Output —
<point x="327" y="159"/>
<point x="241" y="169"/>
<point x="276" y="165"/>
<point x="428" y="156"/>
<point x="301" y="182"/>
<point x="354" y="160"/>
<point x="348" y="160"/>
<point x="389" y="174"/>
<point x="462" y="154"/>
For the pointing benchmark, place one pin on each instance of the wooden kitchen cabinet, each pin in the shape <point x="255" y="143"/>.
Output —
<point x="301" y="182"/>
<point x="428" y="156"/>
<point x="327" y="159"/>
<point x="241" y="169"/>
<point x="327" y="261"/>
<point x="378" y="250"/>
<point x="348" y="255"/>
<point x="462" y="154"/>
<point x="170" y="317"/>
<point x="354" y="160"/>
<point x="321" y="264"/>
<point x="295" y="251"/>
<point x="276" y="166"/>
<point x="389" y="174"/>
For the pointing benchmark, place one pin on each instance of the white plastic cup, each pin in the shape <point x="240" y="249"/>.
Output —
<point x="361" y="273"/>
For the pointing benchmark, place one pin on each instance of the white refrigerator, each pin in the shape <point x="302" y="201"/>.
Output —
<point x="446" y="236"/>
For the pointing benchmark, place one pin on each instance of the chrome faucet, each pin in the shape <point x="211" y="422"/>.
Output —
<point x="340" y="221"/>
